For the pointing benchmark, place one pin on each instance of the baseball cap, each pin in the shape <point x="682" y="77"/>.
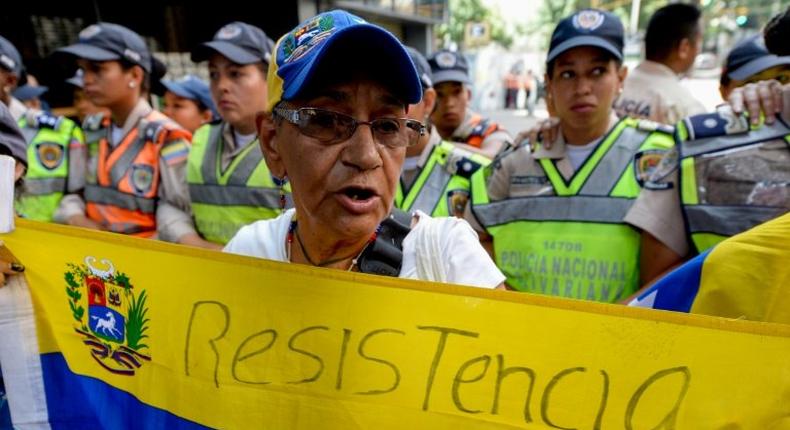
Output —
<point x="750" y="57"/>
<point x="106" y="42"/>
<point x="449" y="66"/>
<point x="337" y="41"/>
<point x="10" y="58"/>
<point x="29" y="92"/>
<point x="422" y="66"/>
<point x="11" y="139"/>
<point x="193" y="88"/>
<point x="240" y="42"/>
<point x="588" y="27"/>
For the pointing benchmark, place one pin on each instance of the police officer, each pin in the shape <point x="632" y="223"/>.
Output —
<point x="452" y="116"/>
<point x="653" y="90"/>
<point x="135" y="177"/>
<point x="229" y="182"/>
<point x="750" y="61"/>
<point x="55" y="146"/>
<point x="435" y="177"/>
<point x="556" y="216"/>
<point x="187" y="101"/>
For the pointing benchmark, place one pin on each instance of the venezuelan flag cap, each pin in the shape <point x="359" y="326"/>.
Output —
<point x="337" y="43"/>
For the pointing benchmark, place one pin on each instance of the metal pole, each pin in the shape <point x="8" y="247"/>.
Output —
<point x="635" y="16"/>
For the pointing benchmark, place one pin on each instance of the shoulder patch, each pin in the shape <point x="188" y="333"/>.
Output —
<point x="45" y="120"/>
<point x="175" y="152"/>
<point x="646" y="163"/>
<point x="465" y="167"/>
<point x="720" y="123"/>
<point x="656" y="180"/>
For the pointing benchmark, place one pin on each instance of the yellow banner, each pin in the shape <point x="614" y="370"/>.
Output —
<point x="236" y="342"/>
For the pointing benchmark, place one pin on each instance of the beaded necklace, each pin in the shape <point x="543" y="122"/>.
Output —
<point x="293" y="231"/>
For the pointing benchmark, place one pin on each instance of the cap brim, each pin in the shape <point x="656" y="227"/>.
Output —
<point x="758" y="65"/>
<point x="178" y="89"/>
<point x="450" y="76"/>
<point x="88" y="52"/>
<point x="578" y="41"/>
<point x="27" y="92"/>
<point x="379" y="48"/>
<point x="227" y="49"/>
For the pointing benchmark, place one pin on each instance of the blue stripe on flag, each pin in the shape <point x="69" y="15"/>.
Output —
<point x="76" y="401"/>
<point x="678" y="289"/>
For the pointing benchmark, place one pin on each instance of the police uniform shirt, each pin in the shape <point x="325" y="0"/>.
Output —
<point x="461" y="134"/>
<point x="519" y="174"/>
<point x="173" y="218"/>
<point x="653" y="91"/>
<point x="230" y="145"/>
<point x="77" y="154"/>
<point x="409" y="175"/>
<point x="658" y="209"/>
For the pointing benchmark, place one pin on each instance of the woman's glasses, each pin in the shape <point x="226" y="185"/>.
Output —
<point x="330" y="127"/>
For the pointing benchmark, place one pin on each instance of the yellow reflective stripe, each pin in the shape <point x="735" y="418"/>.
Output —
<point x="688" y="182"/>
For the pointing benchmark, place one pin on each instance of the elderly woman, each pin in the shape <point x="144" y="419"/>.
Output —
<point x="335" y="125"/>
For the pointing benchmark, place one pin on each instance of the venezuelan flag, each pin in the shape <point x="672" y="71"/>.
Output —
<point x="746" y="276"/>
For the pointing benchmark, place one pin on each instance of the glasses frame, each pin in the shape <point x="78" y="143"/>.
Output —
<point x="295" y="116"/>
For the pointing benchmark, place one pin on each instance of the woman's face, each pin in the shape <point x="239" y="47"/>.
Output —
<point x="584" y="84"/>
<point x="239" y="91"/>
<point x="346" y="189"/>
<point x="184" y="111"/>
<point x="107" y="84"/>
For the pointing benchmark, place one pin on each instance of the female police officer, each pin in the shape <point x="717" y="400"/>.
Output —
<point x="229" y="183"/>
<point x="556" y="216"/>
<point x="135" y="178"/>
<point x="338" y="92"/>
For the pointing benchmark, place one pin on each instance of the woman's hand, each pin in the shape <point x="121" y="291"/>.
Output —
<point x="754" y="98"/>
<point x="8" y="267"/>
<point x="85" y="222"/>
<point x="544" y="132"/>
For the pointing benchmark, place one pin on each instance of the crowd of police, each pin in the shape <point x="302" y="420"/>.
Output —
<point x="626" y="180"/>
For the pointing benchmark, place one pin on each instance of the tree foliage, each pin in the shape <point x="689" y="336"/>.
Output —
<point x="465" y="11"/>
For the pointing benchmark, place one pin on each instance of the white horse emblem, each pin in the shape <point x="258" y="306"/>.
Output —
<point x="106" y="325"/>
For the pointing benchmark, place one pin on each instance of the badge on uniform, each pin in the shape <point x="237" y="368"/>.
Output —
<point x="49" y="155"/>
<point x="142" y="178"/>
<point x="456" y="202"/>
<point x="646" y="163"/>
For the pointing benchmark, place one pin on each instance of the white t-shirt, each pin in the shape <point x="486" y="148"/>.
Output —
<point x="448" y="248"/>
<point x="578" y="153"/>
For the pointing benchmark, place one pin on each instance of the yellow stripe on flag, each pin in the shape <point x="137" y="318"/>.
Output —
<point x="238" y="342"/>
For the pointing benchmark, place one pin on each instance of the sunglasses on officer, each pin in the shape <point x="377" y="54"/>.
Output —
<point x="329" y="127"/>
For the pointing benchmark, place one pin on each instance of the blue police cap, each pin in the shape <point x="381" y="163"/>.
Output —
<point x="193" y="88"/>
<point x="29" y="92"/>
<point x="422" y="66"/>
<point x="10" y="58"/>
<point x="106" y="42"/>
<point x="239" y="42"/>
<point x="588" y="27"/>
<point x="449" y="66"/>
<point x="750" y="57"/>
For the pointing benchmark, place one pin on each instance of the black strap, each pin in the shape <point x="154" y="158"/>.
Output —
<point x="385" y="255"/>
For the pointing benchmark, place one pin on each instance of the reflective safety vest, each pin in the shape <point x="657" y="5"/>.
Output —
<point x="574" y="243"/>
<point x="481" y="129"/>
<point x="48" y="138"/>
<point x="123" y="195"/>
<point x="442" y="186"/>
<point x="224" y="201"/>
<point x="707" y="146"/>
